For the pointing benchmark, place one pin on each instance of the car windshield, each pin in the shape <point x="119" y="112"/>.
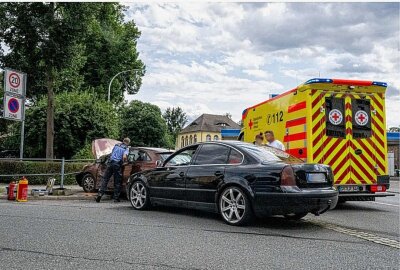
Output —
<point x="164" y="156"/>
<point x="270" y="154"/>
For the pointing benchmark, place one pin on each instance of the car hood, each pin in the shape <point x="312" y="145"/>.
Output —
<point x="101" y="147"/>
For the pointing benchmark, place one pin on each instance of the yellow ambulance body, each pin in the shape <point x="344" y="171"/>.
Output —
<point x="331" y="121"/>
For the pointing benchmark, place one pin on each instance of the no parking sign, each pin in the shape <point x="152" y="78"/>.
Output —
<point x="13" y="107"/>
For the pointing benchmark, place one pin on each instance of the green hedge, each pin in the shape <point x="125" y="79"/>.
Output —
<point x="36" y="167"/>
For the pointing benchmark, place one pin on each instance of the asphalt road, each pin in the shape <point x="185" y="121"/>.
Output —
<point x="87" y="235"/>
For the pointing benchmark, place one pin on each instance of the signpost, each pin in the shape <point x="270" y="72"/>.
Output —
<point x="14" y="100"/>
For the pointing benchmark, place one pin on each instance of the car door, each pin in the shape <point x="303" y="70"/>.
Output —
<point x="167" y="183"/>
<point x="206" y="173"/>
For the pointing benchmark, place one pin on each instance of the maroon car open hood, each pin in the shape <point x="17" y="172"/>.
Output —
<point x="101" y="147"/>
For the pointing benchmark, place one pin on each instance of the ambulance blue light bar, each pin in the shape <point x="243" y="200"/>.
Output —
<point x="346" y="82"/>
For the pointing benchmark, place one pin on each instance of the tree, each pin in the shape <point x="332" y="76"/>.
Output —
<point x="80" y="117"/>
<point x="67" y="47"/>
<point x="43" y="36"/>
<point x="176" y="120"/>
<point x="144" y="125"/>
<point x="110" y="49"/>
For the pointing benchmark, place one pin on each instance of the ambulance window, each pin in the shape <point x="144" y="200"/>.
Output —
<point x="335" y="117"/>
<point x="361" y="120"/>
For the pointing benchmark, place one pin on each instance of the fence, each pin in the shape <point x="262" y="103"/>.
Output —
<point x="12" y="163"/>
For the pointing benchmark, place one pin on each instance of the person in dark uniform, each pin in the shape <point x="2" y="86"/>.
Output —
<point x="119" y="155"/>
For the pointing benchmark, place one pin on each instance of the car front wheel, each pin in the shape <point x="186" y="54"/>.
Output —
<point x="234" y="206"/>
<point x="139" y="195"/>
<point x="88" y="183"/>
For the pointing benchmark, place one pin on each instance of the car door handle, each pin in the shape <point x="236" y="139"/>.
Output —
<point x="181" y="174"/>
<point x="218" y="174"/>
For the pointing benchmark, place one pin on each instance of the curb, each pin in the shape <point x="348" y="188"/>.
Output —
<point x="89" y="196"/>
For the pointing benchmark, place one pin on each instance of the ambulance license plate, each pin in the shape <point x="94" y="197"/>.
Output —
<point x="349" y="188"/>
<point x="316" y="178"/>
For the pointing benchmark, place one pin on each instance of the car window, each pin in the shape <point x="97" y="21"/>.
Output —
<point x="235" y="157"/>
<point x="212" y="154"/>
<point x="261" y="152"/>
<point x="164" y="156"/>
<point x="138" y="155"/>
<point x="181" y="158"/>
<point x="268" y="154"/>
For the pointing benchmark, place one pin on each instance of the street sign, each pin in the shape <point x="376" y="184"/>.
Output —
<point x="13" y="107"/>
<point x="14" y="82"/>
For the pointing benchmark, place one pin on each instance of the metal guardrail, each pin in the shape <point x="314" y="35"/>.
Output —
<point x="62" y="172"/>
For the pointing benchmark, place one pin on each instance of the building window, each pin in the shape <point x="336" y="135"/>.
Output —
<point x="215" y="137"/>
<point x="195" y="138"/>
<point x="187" y="140"/>
<point x="208" y="138"/>
<point x="182" y="141"/>
<point x="191" y="139"/>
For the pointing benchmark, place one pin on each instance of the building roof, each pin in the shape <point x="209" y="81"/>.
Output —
<point x="211" y="123"/>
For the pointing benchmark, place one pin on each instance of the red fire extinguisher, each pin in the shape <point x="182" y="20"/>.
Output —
<point x="22" y="190"/>
<point x="11" y="188"/>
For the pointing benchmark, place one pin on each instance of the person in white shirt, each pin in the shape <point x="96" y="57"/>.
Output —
<point x="269" y="135"/>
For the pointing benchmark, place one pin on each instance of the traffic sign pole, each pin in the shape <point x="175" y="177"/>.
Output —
<point x="21" y="147"/>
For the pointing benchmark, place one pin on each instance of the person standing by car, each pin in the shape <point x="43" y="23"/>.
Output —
<point x="269" y="135"/>
<point x="119" y="155"/>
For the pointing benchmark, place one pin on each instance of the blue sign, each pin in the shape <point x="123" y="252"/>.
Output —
<point x="13" y="105"/>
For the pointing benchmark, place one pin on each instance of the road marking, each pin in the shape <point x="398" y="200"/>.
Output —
<point x="387" y="204"/>
<point x="359" y="234"/>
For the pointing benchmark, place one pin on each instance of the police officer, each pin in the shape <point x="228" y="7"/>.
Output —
<point x="118" y="156"/>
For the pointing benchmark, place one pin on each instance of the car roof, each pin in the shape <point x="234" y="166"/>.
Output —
<point x="154" y="149"/>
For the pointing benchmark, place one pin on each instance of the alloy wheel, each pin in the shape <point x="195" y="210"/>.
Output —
<point x="88" y="183"/>
<point x="233" y="205"/>
<point x="138" y="195"/>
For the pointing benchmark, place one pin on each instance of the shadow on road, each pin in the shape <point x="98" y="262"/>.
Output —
<point x="349" y="206"/>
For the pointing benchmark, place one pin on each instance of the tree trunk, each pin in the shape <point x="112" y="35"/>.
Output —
<point x="50" y="94"/>
<point x="50" y="115"/>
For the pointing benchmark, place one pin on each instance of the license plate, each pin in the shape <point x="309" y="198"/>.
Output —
<point x="349" y="188"/>
<point x="316" y="178"/>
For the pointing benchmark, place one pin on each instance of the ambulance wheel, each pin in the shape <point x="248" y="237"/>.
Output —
<point x="88" y="183"/>
<point x="297" y="216"/>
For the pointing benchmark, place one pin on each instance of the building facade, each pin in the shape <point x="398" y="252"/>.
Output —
<point x="208" y="127"/>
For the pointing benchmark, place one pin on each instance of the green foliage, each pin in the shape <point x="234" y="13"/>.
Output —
<point x="85" y="152"/>
<point x="144" y="125"/>
<point x="176" y="120"/>
<point x="33" y="167"/>
<point x="80" y="117"/>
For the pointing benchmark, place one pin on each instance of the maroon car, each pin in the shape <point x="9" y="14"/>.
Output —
<point x="139" y="159"/>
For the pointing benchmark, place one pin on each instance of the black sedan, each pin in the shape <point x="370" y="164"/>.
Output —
<point x="237" y="180"/>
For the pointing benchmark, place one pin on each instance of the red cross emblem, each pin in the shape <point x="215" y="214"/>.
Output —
<point x="361" y="118"/>
<point x="250" y="124"/>
<point x="335" y="117"/>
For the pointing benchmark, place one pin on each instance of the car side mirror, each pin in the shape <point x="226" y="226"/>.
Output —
<point x="159" y="163"/>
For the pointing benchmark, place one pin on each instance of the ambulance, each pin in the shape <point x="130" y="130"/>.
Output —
<point x="331" y="121"/>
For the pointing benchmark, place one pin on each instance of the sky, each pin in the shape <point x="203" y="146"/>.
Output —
<point x="224" y="57"/>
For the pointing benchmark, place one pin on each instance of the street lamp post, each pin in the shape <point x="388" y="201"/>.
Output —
<point x="109" y="86"/>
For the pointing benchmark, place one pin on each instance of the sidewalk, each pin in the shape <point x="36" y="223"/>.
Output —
<point x="76" y="193"/>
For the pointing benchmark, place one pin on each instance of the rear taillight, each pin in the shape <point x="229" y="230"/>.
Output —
<point x="287" y="177"/>
<point x="376" y="188"/>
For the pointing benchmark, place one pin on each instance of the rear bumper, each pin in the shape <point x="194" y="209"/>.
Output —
<point x="295" y="201"/>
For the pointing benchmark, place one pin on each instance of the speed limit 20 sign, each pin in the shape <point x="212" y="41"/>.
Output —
<point x="14" y="82"/>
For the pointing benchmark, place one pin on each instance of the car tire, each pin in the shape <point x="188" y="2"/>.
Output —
<point x="296" y="216"/>
<point x="88" y="183"/>
<point x="234" y="206"/>
<point x="139" y="195"/>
